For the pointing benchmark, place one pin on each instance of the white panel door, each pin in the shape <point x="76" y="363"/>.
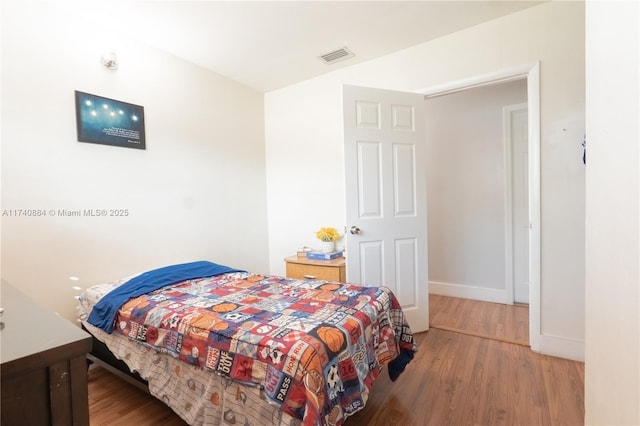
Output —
<point x="386" y="195"/>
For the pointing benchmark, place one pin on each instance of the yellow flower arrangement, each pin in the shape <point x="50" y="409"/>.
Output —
<point x="328" y="234"/>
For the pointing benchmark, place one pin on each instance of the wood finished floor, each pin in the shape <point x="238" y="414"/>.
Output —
<point x="482" y="374"/>
<point x="508" y="323"/>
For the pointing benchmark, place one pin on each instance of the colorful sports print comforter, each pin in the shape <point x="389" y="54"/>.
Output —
<point x="314" y="347"/>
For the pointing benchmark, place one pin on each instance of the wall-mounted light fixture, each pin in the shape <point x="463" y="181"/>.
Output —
<point x="110" y="60"/>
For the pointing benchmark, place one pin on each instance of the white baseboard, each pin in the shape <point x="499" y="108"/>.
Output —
<point x="469" y="292"/>
<point x="562" y="347"/>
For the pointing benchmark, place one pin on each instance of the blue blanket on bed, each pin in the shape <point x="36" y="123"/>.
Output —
<point x="104" y="313"/>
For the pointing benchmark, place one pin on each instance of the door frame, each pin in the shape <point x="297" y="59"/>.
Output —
<point x="531" y="73"/>
<point x="510" y="241"/>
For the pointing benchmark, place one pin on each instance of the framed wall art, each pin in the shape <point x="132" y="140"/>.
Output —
<point x="109" y="122"/>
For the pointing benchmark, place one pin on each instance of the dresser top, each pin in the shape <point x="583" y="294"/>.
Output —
<point x="337" y="262"/>
<point x="29" y="329"/>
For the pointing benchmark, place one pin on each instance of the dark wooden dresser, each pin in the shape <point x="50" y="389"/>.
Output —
<point x="44" y="367"/>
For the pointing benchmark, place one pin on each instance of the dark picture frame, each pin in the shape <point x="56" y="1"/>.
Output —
<point x="109" y="122"/>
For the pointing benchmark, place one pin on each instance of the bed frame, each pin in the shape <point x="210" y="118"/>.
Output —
<point x="101" y="356"/>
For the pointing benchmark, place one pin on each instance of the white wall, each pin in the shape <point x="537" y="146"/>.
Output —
<point x="612" y="367"/>
<point x="197" y="191"/>
<point x="303" y="131"/>
<point x="466" y="190"/>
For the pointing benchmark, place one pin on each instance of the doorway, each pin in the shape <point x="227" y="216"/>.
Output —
<point x="475" y="146"/>
<point x="502" y="293"/>
<point x="367" y="117"/>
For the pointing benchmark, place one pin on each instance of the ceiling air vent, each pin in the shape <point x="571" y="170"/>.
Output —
<point x="337" y="55"/>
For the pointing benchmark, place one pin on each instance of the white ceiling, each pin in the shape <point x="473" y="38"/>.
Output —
<point x="271" y="44"/>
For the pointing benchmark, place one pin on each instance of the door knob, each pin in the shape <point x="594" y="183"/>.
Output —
<point x="354" y="230"/>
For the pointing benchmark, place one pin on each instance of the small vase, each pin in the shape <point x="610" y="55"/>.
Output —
<point x="327" y="246"/>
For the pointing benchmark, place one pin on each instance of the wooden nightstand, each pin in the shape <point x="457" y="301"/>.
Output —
<point x="328" y="270"/>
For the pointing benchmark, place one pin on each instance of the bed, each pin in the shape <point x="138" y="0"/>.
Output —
<point x="224" y="346"/>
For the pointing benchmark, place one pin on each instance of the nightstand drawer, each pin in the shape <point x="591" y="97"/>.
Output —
<point x="327" y="270"/>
